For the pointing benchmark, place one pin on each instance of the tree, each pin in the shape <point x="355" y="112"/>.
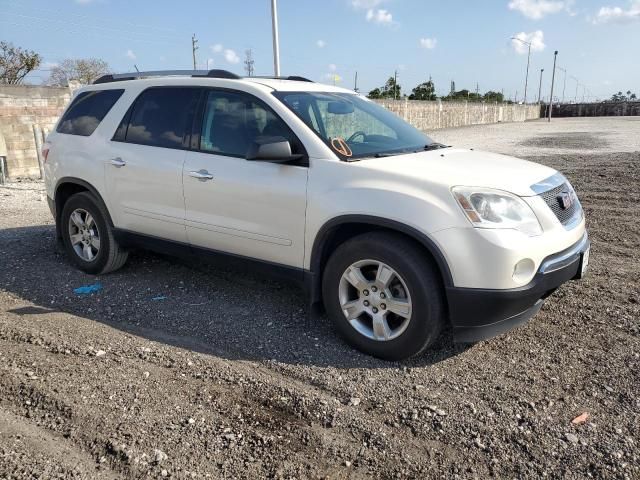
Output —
<point x="391" y="89"/>
<point x="621" y="97"/>
<point x="492" y="96"/>
<point x="424" y="91"/>
<point x="375" y="93"/>
<point x="82" y="70"/>
<point x="16" y="63"/>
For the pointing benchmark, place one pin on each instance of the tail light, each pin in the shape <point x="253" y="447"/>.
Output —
<point x="45" y="151"/>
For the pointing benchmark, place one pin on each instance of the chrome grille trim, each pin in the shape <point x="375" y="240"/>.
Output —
<point x="550" y="190"/>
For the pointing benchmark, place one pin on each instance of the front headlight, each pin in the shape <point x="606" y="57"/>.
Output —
<point x="488" y="208"/>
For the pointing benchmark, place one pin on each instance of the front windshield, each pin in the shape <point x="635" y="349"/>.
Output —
<point x="353" y="126"/>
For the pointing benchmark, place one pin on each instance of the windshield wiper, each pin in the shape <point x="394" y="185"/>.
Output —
<point x="435" y="146"/>
<point x="387" y="154"/>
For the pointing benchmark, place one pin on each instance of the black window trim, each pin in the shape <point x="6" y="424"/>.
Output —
<point x="74" y="101"/>
<point x="188" y="132"/>
<point x="198" y="121"/>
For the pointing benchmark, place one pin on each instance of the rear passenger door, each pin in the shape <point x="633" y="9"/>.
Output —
<point x="144" y="165"/>
<point x="250" y="208"/>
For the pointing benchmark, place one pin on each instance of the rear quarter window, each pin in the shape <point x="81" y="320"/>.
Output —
<point x="87" y="111"/>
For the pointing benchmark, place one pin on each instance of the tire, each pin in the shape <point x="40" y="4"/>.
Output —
<point x="108" y="256"/>
<point x="415" y="291"/>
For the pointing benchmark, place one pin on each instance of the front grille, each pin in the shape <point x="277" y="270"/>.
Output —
<point x="552" y="198"/>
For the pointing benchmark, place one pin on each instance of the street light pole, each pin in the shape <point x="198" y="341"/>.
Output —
<point x="540" y="86"/>
<point x="526" y="78"/>
<point x="553" y="79"/>
<point x="276" y="45"/>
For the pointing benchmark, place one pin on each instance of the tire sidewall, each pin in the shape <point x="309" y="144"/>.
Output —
<point x="420" y="279"/>
<point x="86" y="202"/>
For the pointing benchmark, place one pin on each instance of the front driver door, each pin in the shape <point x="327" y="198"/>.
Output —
<point x="249" y="208"/>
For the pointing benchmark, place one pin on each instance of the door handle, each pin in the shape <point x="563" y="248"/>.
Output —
<point x="201" y="175"/>
<point x="117" y="162"/>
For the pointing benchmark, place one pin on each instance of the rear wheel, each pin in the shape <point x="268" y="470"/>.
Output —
<point x="87" y="237"/>
<point x="384" y="295"/>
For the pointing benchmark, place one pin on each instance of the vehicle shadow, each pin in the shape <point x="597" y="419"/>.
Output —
<point x="180" y="302"/>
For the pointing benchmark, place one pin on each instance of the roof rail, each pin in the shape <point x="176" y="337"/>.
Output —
<point x="116" y="77"/>
<point x="295" y="78"/>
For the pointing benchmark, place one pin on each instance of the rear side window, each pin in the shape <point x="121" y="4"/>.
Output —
<point x="87" y="111"/>
<point x="161" y="117"/>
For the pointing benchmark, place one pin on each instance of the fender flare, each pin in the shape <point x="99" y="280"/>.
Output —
<point x="84" y="184"/>
<point x="324" y="233"/>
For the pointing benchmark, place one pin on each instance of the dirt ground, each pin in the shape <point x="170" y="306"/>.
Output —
<point x="180" y="370"/>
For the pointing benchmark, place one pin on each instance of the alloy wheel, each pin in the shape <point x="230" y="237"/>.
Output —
<point x="375" y="300"/>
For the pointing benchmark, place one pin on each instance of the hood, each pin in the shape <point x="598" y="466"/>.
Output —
<point x="473" y="168"/>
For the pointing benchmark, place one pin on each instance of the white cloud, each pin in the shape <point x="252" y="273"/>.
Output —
<point x="130" y="54"/>
<point x="333" y="67"/>
<point x="380" y="16"/>
<point x="537" y="9"/>
<point x="163" y="58"/>
<point x="217" y="48"/>
<point x="536" y="39"/>
<point x="618" y="14"/>
<point x="321" y="44"/>
<point x="231" y="56"/>
<point x="365" y="4"/>
<point x="428" y="43"/>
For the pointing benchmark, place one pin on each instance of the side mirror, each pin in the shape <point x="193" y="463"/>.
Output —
<point x="271" y="149"/>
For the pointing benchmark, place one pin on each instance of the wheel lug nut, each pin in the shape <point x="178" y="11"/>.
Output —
<point x="383" y="306"/>
<point x="374" y="310"/>
<point x="365" y="293"/>
<point x="382" y="295"/>
<point x="366" y="303"/>
<point x="374" y="289"/>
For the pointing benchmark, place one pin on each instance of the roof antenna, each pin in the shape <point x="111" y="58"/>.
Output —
<point x="136" y="67"/>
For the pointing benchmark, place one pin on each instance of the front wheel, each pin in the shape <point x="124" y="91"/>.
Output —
<point x="384" y="295"/>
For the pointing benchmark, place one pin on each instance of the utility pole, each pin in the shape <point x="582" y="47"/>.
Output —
<point x="395" y="85"/>
<point x="575" y="99"/>
<point x="194" y="47"/>
<point x="564" y="84"/>
<point x="526" y="78"/>
<point x="477" y="90"/>
<point x="248" y="62"/>
<point x="540" y="86"/>
<point x="355" y="83"/>
<point x="553" y="79"/>
<point x="276" y="44"/>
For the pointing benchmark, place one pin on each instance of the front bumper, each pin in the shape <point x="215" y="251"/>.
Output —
<point x="479" y="314"/>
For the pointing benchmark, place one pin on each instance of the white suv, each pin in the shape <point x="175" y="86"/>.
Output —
<point x="398" y="236"/>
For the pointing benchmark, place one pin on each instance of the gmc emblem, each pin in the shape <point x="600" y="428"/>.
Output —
<point x="565" y="199"/>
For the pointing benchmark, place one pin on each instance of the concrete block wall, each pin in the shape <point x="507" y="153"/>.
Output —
<point x="21" y="107"/>
<point x="435" y="114"/>
<point x="604" y="109"/>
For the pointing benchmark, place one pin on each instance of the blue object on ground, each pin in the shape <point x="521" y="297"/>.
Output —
<point x="159" y="297"/>
<point x="87" y="289"/>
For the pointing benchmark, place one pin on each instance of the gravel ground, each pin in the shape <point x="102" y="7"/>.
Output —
<point x="183" y="371"/>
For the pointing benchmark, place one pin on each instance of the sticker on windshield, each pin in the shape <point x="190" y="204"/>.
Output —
<point x="340" y="146"/>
